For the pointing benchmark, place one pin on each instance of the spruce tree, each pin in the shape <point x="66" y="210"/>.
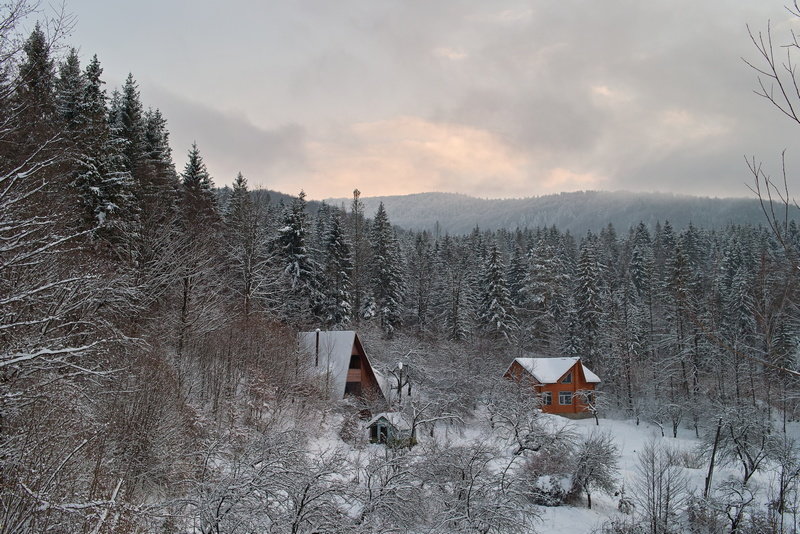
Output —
<point x="386" y="270"/>
<point x="125" y="118"/>
<point x="35" y="96"/>
<point x="69" y="91"/>
<point x="300" y="272"/>
<point x="105" y="186"/>
<point x="358" y="237"/>
<point x="588" y="297"/>
<point x="496" y="314"/>
<point x="454" y="293"/>
<point x="198" y="202"/>
<point x="337" y="273"/>
<point x="245" y="238"/>
<point x="422" y="279"/>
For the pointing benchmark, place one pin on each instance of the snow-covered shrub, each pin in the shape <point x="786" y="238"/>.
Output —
<point x="688" y="458"/>
<point x="703" y="517"/>
<point x="620" y="525"/>
<point x="549" y="490"/>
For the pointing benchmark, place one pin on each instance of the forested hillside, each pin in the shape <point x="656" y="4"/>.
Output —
<point x="577" y="212"/>
<point x="150" y="378"/>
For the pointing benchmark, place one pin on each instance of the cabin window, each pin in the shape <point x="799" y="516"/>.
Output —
<point x="568" y="378"/>
<point x="547" y="398"/>
<point x="352" y="388"/>
<point x="355" y="361"/>
<point x="565" y="397"/>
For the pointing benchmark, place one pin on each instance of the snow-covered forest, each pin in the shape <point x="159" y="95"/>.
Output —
<point x="150" y="379"/>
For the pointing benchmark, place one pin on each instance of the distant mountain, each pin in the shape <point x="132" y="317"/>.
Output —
<point x="577" y="212"/>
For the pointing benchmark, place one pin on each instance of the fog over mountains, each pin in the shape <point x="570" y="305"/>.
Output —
<point x="577" y="212"/>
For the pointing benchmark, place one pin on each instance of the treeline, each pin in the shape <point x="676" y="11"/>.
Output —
<point x="577" y="211"/>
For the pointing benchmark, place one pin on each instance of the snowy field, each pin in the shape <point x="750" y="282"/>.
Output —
<point x="630" y="439"/>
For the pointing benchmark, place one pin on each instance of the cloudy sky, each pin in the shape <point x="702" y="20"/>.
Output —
<point x="493" y="99"/>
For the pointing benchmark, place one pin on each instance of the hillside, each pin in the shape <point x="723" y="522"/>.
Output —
<point x="576" y="212"/>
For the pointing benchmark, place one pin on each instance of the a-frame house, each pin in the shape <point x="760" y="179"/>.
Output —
<point x="340" y="358"/>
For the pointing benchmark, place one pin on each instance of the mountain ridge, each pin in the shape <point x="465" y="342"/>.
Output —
<point x="457" y="213"/>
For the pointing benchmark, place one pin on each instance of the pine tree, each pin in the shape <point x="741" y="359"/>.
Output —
<point x="542" y="296"/>
<point x="386" y="271"/>
<point x="588" y="298"/>
<point x="105" y="187"/>
<point x="496" y="313"/>
<point x="361" y="260"/>
<point x="422" y="279"/>
<point x="127" y="125"/>
<point x="35" y="95"/>
<point x="198" y="202"/>
<point x="337" y="306"/>
<point x="70" y="90"/>
<point x="300" y="271"/>
<point x="246" y="243"/>
<point x="454" y="293"/>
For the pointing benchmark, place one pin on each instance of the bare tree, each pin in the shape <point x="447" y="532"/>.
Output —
<point x="660" y="488"/>
<point x="596" y="460"/>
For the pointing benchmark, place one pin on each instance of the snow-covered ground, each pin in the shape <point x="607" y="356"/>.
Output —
<point x="630" y="439"/>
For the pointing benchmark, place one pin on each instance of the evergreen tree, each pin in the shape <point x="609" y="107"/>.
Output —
<point x="517" y="272"/>
<point x="386" y="270"/>
<point x="542" y="295"/>
<point x="422" y="279"/>
<point x="198" y="202"/>
<point x="358" y="228"/>
<point x="496" y="313"/>
<point x="454" y="292"/>
<point x="36" y="86"/>
<point x="105" y="186"/>
<point x="126" y="119"/>
<point x="246" y="245"/>
<point x="69" y="91"/>
<point x="300" y="271"/>
<point x="337" y="306"/>
<point x="588" y="297"/>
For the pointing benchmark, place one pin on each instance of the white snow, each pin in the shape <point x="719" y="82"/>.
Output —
<point x="550" y="370"/>
<point x="331" y="356"/>
<point x="398" y="420"/>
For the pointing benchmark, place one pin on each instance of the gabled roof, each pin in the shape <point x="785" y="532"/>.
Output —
<point x="335" y="349"/>
<point x="397" y="420"/>
<point x="550" y="370"/>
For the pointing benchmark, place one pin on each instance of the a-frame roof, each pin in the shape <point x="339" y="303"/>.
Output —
<point x="332" y="355"/>
<point x="550" y="370"/>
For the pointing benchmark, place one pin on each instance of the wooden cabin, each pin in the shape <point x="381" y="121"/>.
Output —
<point x="557" y="381"/>
<point x="339" y="358"/>
<point x="392" y="429"/>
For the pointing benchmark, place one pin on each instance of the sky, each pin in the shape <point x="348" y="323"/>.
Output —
<point x="492" y="99"/>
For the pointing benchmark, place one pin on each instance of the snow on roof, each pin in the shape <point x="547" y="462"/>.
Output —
<point x="549" y="370"/>
<point x="397" y="420"/>
<point x="335" y="350"/>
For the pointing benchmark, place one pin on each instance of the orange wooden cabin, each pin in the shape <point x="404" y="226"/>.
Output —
<point x="557" y="380"/>
<point x="340" y="358"/>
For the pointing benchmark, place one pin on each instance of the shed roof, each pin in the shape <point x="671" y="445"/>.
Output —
<point x="549" y="370"/>
<point x="398" y="420"/>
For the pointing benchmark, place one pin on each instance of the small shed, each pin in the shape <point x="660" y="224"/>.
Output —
<point x="390" y="428"/>
<point x="557" y="380"/>
<point x="340" y="357"/>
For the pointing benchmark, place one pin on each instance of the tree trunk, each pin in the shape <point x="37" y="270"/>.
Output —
<point x="707" y="488"/>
